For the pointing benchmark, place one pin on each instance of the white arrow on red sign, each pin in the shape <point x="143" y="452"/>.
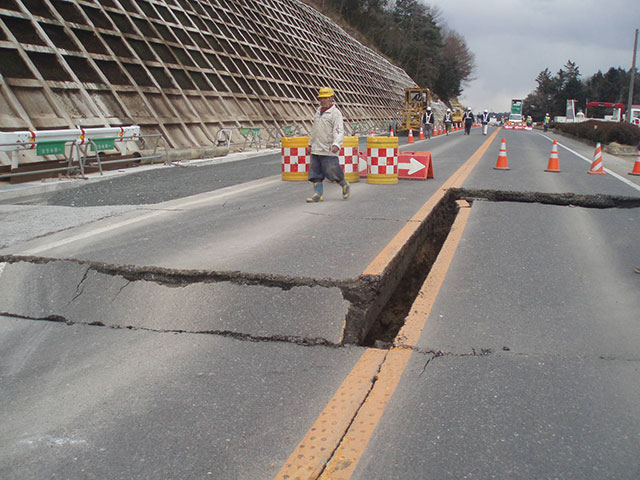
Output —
<point x="413" y="165"/>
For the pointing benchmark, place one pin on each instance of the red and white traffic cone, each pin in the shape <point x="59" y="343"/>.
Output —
<point x="502" y="164"/>
<point x="410" y="139"/>
<point x="554" y="165"/>
<point x="421" y="137"/>
<point x="636" y="166"/>
<point x="597" y="167"/>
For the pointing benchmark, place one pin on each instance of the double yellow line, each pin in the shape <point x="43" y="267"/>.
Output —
<point x="337" y="439"/>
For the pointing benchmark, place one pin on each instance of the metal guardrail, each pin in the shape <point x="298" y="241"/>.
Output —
<point x="81" y="142"/>
<point x="255" y="137"/>
<point x="46" y="148"/>
<point x="94" y="146"/>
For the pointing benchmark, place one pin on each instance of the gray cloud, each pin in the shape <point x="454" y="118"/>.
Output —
<point x="514" y="40"/>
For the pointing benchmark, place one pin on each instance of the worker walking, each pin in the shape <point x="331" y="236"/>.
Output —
<point x="547" y="120"/>
<point x="468" y="120"/>
<point x="448" y="120"/>
<point x="428" y="120"/>
<point x="327" y="134"/>
<point x="484" y="119"/>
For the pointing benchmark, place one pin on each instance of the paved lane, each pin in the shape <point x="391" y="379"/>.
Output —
<point x="112" y="377"/>
<point x="527" y="366"/>
<point x="82" y="401"/>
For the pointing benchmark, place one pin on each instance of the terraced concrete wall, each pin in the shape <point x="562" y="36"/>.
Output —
<point x="184" y="68"/>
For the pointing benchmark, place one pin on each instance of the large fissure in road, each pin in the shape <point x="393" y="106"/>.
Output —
<point x="419" y="258"/>
<point x="368" y="310"/>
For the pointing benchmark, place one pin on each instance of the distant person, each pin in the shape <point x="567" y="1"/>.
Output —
<point x="327" y="134"/>
<point x="428" y="120"/>
<point x="484" y="119"/>
<point x="529" y="121"/>
<point x="468" y="120"/>
<point x="448" y="120"/>
<point x="547" y="120"/>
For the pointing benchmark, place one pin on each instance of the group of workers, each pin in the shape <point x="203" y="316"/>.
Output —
<point x="468" y="119"/>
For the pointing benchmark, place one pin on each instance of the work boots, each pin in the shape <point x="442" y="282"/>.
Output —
<point x="317" y="193"/>
<point x="345" y="189"/>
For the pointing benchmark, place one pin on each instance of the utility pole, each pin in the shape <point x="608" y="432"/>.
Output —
<point x="633" y="76"/>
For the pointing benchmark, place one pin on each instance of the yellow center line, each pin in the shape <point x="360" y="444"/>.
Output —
<point x="341" y="433"/>
<point x="382" y="261"/>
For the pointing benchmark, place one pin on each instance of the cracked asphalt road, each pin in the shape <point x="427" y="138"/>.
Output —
<point x="527" y="366"/>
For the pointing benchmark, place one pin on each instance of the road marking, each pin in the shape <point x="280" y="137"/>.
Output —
<point x="613" y="174"/>
<point x="344" y="461"/>
<point x="174" y="204"/>
<point x="367" y="405"/>
<point x="316" y="448"/>
<point x="377" y="266"/>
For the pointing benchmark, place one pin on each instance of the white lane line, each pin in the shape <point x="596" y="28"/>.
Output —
<point x="613" y="174"/>
<point x="156" y="213"/>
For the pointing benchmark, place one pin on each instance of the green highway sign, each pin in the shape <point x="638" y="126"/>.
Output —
<point x="103" y="144"/>
<point x="50" y="148"/>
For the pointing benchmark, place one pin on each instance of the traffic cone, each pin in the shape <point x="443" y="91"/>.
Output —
<point x="372" y="134"/>
<point x="421" y="137"/>
<point x="391" y="134"/>
<point x="596" y="166"/>
<point x="553" y="165"/>
<point x="410" y="136"/>
<point x="636" y="166"/>
<point x="502" y="163"/>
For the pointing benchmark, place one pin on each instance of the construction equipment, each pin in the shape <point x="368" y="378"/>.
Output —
<point x="457" y="111"/>
<point x="416" y="101"/>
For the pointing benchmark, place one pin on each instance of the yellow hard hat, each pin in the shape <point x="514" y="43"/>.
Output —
<point x="325" y="92"/>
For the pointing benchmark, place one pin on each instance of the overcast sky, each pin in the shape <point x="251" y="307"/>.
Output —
<point x="514" y="40"/>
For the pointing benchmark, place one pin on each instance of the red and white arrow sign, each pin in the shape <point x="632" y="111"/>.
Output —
<point x="415" y="165"/>
<point x="412" y="166"/>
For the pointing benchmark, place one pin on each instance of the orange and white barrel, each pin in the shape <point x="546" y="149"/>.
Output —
<point x="296" y="157"/>
<point x="349" y="159"/>
<point x="382" y="160"/>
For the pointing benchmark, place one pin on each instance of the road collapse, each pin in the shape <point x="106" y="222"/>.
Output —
<point x="374" y="306"/>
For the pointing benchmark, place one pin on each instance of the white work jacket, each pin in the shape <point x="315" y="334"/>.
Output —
<point x="327" y="130"/>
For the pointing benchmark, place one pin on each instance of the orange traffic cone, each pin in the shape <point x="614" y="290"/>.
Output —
<point x="421" y="137"/>
<point x="410" y="136"/>
<point x="553" y="165"/>
<point x="502" y="157"/>
<point x="391" y="134"/>
<point x="596" y="166"/>
<point x="636" y="166"/>
<point x="372" y="134"/>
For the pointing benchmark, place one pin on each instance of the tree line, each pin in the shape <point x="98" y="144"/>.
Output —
<point x="410" y="33"/>
<point x="553" y="91"/>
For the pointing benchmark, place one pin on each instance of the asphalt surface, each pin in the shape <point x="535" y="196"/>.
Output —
<point x="528" y="366"/>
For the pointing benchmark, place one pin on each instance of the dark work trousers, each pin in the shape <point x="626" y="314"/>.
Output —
<point x="325" y="166"/>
